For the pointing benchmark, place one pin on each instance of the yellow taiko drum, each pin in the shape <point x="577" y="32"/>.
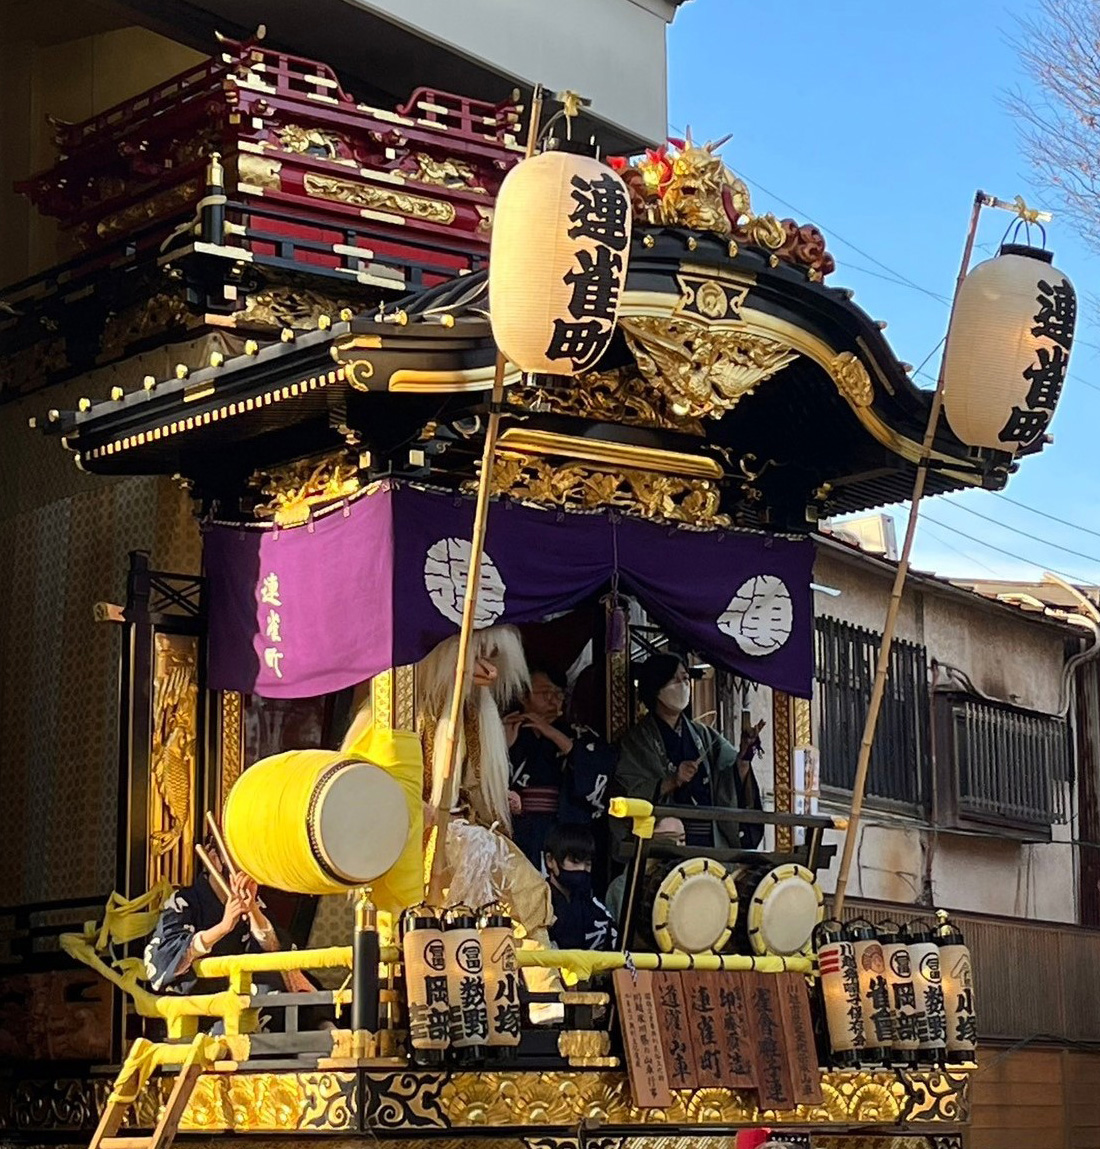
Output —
<point x="316" y="821"/>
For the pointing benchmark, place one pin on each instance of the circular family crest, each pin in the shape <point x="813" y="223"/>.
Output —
<point x="759" y="616"/>
<point x="446" y="569"/>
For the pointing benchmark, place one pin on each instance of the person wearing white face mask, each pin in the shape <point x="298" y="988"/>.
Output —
<point x="671" y="760"/>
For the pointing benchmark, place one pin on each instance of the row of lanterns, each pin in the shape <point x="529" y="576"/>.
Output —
<point x="462" y="983"/>
<point x="897" y="995"/>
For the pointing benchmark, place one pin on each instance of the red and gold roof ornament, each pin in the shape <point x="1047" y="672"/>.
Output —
<point x="683" y="184"/>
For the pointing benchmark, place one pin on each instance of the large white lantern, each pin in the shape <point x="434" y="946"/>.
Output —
<point x="557" y="264"/>
<point x="1008" y="349"/>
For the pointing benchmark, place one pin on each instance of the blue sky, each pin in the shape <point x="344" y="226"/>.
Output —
<point x="879" y="120"/>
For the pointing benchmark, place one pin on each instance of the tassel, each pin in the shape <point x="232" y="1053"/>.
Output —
<point x="616" y="630"/>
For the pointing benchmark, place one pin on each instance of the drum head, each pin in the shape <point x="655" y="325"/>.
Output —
<point x="785" y="908"/>
<point x="695" y="907"/>
<point x="358" y="822"/>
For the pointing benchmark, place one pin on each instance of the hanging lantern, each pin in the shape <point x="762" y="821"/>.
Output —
<point x="956" y="970"/>
<point x="903" y="994"/>
<point x="465" y="983"/>
<point x="924" y="961"/>
<point x="836" y="959"/>
<point x="557" y="264"/>
<point x="498" y="950"/>
<point x="425" y="961"/>
<point x="1008" y="349"/>
<point x="874" y="991"/>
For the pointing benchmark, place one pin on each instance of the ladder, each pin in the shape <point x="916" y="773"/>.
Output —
<point x="192" y="1065"/>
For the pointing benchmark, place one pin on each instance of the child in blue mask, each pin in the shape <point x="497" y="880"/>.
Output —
<point x="581" y="920"/>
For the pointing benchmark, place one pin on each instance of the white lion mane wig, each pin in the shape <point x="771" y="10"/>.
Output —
<point x="435" y="679"/>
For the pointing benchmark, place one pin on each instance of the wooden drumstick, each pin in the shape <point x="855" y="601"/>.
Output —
<point x="212" y="870"/>
<point x="223" y="850"/>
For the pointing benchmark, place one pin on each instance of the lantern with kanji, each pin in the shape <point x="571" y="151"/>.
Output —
<point x="1008" y="349"/>
<point x="956" y="972"/>
<point x="557" y="264"/>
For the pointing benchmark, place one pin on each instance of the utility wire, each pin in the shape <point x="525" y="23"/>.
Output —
<point x="1024" y="534"/>
<point x="963" y="554"/>
<point x="1044" y="514"/>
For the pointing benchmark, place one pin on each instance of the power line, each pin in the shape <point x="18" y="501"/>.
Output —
<point x="1079" y="579"/>
<point x="1045" y="514"/>
<point x="1024" y="534"/>
<point x="951" y="547"/>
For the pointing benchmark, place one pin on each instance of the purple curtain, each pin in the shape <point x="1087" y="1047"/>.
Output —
<point x="317" y="608"/>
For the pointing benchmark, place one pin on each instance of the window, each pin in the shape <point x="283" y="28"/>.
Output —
<point x="900" y="756"/>
<point x="1009" y="766"/>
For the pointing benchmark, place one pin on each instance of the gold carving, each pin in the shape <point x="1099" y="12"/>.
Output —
<point x="283" y="307"/>
<point x="373" y="198"/>
<point x="151" y="316"/>
<point x="666" y="498"/>
<point x="306" y="141"/>
<point x="605" y="453"/>
<point x="258" y="171"/>
<point x="404" y="698"/>
<point x="573" y="1043"/>
<point x="232" y="755"/>
<point x="294" y="491"/>
<point x="448" y="173"/>
<point x="485" y="223"/>
<point x="707" y="371"/>
<point x="852" y="380"/>
<point x="709" y="299"/>
<point x="381" y="700"/>
<point x="174" y="757"/>
<point x="622" y="395"/>
<point x="136" y="214"/>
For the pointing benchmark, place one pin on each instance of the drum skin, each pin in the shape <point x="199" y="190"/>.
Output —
<point x="692" y="906"/>
<point x="316" y="821"/>
<point x="785" y="907"/>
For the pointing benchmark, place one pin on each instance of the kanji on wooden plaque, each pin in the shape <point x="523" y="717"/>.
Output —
<point x="641" y="1039"/>
<point x="733" y="1020"/>
<point x="769" y="1046"/>
<point x="794" y="1003"/>
<point x="669" y="990"/>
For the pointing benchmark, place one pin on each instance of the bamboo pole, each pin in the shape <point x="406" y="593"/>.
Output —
<point x="882" y="664"/>
<point x="463" y="669"/>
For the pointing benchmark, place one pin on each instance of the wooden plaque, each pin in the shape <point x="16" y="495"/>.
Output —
<point x="672" y="1015"/>
<point x="794" y="1002"/>
<point x="733" y="1017"/>
<point x="769" y="1043"/>
<point x="705" y="1026"/>
<point x="641" y="1039"/>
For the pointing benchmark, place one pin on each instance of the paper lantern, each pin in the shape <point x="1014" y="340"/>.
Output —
<point x="557" y="264"/>
<point x="426" y="985"/>
<point x="956" y="970"/>
<point x="465" y="983"/>
<point x="1008" y="349"/>
<point x="874" y="991"/>
<point x="931" y="1018"/>
<point x="498" y="950"/>
<point x="836" y="959"/>
<point x="903" y="994"/>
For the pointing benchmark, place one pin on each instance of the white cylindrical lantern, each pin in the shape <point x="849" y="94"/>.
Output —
<point x="903" y="994"/>
<point x="836" y="960"/>
<point x="498" y="950"/>
<point x="924" y="961"/>
<point x="557" y="263"/>
<point x="1008" y="349"/>
<point x="426" y="987"/>
<point x="465" y="983"/>
<point x="874" y="991"/>
<point x="956" y="970"/>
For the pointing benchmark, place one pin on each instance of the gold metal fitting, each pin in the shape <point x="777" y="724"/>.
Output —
<point x="149" y="382"/>
<point x="53" y="415"/>
<point x="324" y="322"/>
<point x="182" y="370"/>
<point x="447" y="320"/>
<point x="251" y="347"/>
<point x="693" y="243"/>
<point x="117" y="393"/>
<point x="286" y="335"/>
<point x="83" y="404"/>
<point x="216" y="358"/>
<point x="648" y="241"/>
<point x="346" y="314"/>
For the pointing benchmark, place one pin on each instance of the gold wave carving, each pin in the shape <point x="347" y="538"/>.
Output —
<point x="371" y="198"/>
<point x="852" y="380"/>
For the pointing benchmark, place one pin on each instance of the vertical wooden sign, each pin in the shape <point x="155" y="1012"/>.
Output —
<point x="705" y="1026"/>
<point x="769" y="1048"/>
<point x="794" y="1003"/>
<point x="672" y="1016"/>
<point x="733" y="1020"/>
<point x="641" y="1039"/>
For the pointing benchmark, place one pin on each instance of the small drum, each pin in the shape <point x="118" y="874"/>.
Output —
<point x="780" y="906"/>
<point x="316" y="822"/>
<point x="691" y="906"/>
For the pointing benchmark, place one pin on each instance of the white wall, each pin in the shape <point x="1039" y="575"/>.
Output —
<point x="610" y="51"/>
<point x="1009" y="657"/>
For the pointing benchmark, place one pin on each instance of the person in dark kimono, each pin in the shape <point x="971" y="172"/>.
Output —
<point x="671" y="760"/>
<point x="581" y="920"/>
<point x="195" y="922"/>
<point x="559" y="771"/>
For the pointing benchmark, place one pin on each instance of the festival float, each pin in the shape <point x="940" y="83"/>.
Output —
<point x="409" y="463"/>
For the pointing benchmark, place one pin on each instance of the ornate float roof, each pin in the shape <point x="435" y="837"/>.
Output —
<point x="761" y="395"/>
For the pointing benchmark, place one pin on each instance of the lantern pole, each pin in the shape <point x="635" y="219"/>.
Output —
<point x="441" y="813"/>
<point x="882" y="663"/>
